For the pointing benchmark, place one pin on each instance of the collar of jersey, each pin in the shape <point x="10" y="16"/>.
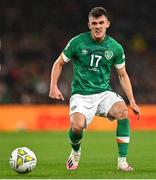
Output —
<point x="96" y="42"/>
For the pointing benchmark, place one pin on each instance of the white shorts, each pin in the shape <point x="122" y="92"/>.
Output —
<point x="91" y="105"/>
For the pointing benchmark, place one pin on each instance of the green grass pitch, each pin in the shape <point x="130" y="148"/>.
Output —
<point x="98" y="160"/>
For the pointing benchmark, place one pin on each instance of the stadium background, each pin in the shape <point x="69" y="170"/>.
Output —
<point x="32" y="35"/>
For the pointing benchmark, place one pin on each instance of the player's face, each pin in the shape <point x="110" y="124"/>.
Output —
<point x="98" y="27"/>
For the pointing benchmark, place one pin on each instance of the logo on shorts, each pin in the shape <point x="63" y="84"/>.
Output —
<point x="108" y="54"/>
<point x="73" y="108"/>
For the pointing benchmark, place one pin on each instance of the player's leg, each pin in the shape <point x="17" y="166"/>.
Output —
<point x="113" y="106"/>
<point x="76" y="131"/>
<point x="75" y="135"/>
<point x="119" y="111"/>
<point x="82" y="112"/>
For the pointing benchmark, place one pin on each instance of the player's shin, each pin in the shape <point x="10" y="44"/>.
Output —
<point x="75" y="139"/>
<point x="123" y="136"/>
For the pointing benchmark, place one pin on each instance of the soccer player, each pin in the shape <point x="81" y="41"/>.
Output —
<point x="93" y="54"/>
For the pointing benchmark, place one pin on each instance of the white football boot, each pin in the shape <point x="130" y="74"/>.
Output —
<point x="73" y="160"/>
<point x="123" y="165"/>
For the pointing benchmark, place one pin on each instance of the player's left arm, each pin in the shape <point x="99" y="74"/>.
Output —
<point x="127" y="88"/>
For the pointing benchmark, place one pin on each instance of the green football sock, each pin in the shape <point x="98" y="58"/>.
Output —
<point x="75" y="139"/>
<point x="123" y="136"/>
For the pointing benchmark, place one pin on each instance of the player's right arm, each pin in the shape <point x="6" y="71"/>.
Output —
<point x="55" y="74"/>
<point x="65" y="57"/>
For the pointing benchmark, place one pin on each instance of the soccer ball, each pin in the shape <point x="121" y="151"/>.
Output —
<point x="23" y="160"/>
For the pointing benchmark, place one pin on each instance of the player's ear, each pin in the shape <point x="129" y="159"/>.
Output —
<point x="108" y="24"/>
<point x="88" y="25"/>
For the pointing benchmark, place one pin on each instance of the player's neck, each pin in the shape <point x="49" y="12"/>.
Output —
<point x="98" y="39"/>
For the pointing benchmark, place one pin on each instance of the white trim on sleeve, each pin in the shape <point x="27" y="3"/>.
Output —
<point x="65" y="58"/>
<point x="119" y="66"/>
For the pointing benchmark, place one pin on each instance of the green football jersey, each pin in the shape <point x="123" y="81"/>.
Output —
<point x="92" y="62"/>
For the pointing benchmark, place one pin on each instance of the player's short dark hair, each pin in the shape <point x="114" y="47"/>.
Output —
<point x="97" y="12"/>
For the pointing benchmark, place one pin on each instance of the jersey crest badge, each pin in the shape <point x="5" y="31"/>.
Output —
<point x="108" y="54"/>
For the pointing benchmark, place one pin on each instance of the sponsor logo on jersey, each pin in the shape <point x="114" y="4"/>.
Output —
<point x="93" y="69"/>
<point x="108" y="54"/>
<point x="84" y="51"/>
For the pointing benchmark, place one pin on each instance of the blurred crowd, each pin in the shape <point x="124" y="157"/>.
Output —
<point x="33" y="34"/>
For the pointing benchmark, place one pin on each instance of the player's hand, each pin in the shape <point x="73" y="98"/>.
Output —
<point x="55" y="93"/>
<point x="135" y="108"/>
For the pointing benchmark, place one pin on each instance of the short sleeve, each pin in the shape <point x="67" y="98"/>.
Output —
<point x="119" y="61"/>
<point x="69" y="50"/>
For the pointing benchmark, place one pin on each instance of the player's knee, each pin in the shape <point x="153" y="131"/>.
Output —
<point x="125" y="114"/>
<point x="77" y="128"/>
<point x="77" y="121"/>
<point x="120" y="112"/>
